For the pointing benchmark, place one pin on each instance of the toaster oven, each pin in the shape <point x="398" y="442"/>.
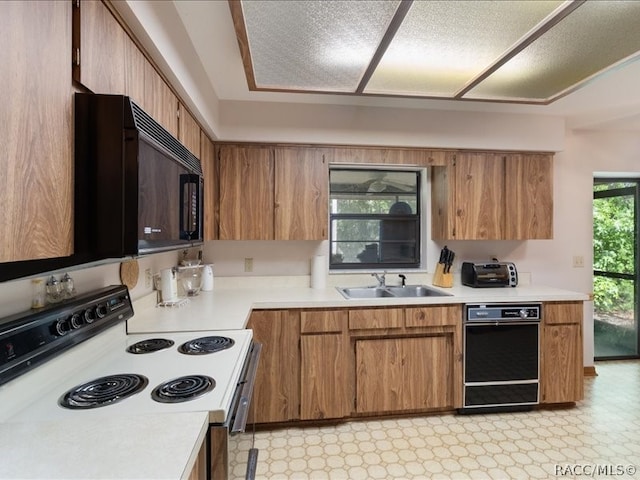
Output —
<point x="493" y="274"/>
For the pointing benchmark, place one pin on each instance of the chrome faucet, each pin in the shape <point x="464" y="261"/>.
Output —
<point x="381" y="279"/>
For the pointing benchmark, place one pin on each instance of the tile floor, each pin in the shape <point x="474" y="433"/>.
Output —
<point x="602" y="432"/>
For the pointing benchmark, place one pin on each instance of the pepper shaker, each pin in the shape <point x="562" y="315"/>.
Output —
<point x="54" y="290"/>
<point x="68" y="288"/>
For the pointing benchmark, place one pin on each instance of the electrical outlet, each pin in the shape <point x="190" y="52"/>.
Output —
<point x="147" y="278"/>
<point x="248" y="264"/>
<point x="578" y="261"/>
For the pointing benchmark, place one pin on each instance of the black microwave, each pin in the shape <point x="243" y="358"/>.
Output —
<point x="138" y="189"/>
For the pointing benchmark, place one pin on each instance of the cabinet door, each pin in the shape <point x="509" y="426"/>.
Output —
<point x="479" y="196"/>
<point x="529" y="194"/>
<point x="402" y="374"/>
<point x="207" y="157"/>
<point x="134" y="66"/>
<point x="324" y="377"/>
<point x="100" y="40"/>
<point x="276" y="393"/>
<point x="36" y="185"/>
<point x="188" y="131"/>
<point x="301" y="194"/>
<point x="562" y="371"/>
<point x="160" y="101"/>
<point x="443" y="210"/>
<point x="246" y="193"/>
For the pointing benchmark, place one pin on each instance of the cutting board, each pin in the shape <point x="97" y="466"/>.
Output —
<point x="129" y="272"/>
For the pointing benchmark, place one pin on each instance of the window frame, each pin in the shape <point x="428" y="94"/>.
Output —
<point x="420" y="219"/>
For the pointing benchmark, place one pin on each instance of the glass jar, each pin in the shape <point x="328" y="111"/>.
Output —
<point x="37" y="293"/>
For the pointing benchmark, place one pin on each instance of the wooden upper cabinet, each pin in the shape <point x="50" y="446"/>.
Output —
<point x="301" y="194"/>
<point x="246" y="176"/>
<point x="188" y="131"/>
<point x="36" y="186"/>
<point x="99" y="48"/>
<point x="135" y="67"/>
<point x="207" y="158"/>
<point x="479" y="196"/>
<point x="529" y="194"/>
<point x="492" y="196"/>
<point x="160" y="101"/>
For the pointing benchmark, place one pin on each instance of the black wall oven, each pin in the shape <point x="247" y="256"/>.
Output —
<point x="502" y="356"/>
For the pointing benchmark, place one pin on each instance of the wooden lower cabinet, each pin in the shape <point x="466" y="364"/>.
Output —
<point x="324" y="377"/>
<point x="199" y="470"/>
<point x="561" y="369"/>
<point x="276" y="393"/>
<point x="325" y="365"/>
<point x="404" y="374"/>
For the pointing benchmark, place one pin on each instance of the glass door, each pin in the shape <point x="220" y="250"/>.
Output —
<point x="615" y="268"/>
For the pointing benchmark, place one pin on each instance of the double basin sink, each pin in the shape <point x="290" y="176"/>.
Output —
<point x="391" y="292"/>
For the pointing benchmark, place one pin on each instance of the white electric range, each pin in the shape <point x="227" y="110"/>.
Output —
<point x="83" y="343"/>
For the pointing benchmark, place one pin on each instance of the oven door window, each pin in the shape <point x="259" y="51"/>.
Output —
<point x="501" y="353"/>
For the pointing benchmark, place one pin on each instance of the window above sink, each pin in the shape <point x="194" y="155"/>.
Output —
<point x="375" y="217"/>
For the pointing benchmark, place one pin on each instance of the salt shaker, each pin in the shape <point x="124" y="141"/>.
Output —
<point x="54" y="290"/>
<point x="68" y="290"/>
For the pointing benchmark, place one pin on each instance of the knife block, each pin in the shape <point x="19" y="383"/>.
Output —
<point x="441" y="279"/>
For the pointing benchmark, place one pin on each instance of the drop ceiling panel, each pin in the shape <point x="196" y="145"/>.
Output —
<point x="314" y="45"/>
<point x="571" y="51"/>
<point x="520" y="51"/>
<point x="442" y="45"/>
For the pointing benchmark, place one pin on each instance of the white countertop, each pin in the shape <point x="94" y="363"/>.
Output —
<point x="228" y="308"/>
<point x="158" y="447"/>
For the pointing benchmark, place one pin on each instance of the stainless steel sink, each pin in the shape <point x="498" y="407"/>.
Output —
<point x="416" y="291"/>
<point x="391" y="292"/>
<point x="365" y="292"/>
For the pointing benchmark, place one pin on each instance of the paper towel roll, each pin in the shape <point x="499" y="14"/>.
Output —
<point x="319" y="272"/>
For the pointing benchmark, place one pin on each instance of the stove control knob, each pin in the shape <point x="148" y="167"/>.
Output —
<point x="60" y="327"/>
<point x="89" y="315"/>
<point x="76" y="321"/>
<point x="524" y="313"/>
<point x="101" y="310"/>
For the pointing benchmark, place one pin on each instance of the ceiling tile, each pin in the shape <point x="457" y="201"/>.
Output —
<point x="314" y="45"/>
<point x="442" y="45"/>
<point x="595" y="36"/>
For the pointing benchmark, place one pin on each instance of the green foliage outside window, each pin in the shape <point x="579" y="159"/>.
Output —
<point x="613" y="249"/>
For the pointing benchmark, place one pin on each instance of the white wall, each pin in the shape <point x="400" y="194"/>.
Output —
<point x="15" y="296"/>
<point x="408" y="127"/>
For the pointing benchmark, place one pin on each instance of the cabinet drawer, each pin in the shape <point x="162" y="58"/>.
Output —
<point x="375" y="318"/>
<point x="433" y="316"/>
<point x="558" y="313"/>
<point x="323" y="321"/>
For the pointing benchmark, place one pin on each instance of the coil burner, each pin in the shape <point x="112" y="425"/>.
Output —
<point x="150" y="345"/>
<point x="204" y="345"/>
<point x="103" y="391"/>
<point x="183" y="389"/>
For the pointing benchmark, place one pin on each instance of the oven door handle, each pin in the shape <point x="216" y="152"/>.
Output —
<point x="242" y="410"/>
